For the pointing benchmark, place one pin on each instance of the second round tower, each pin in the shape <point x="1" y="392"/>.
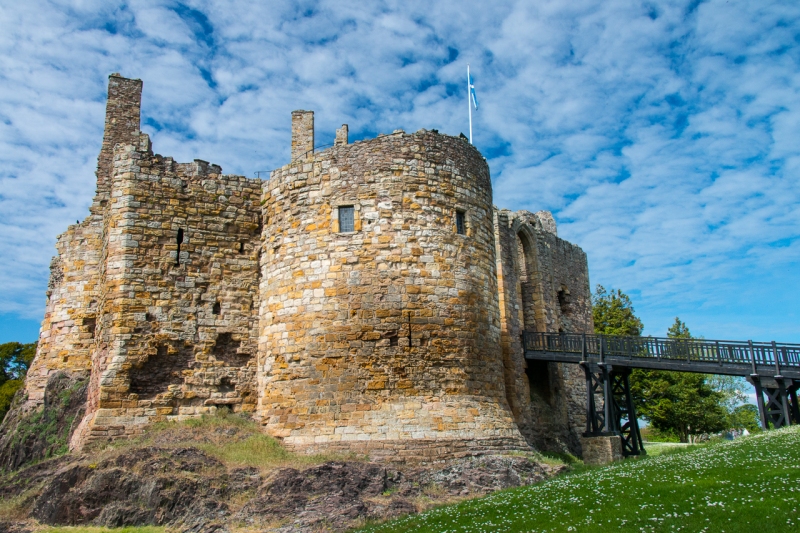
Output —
<point x="380" y="323"/>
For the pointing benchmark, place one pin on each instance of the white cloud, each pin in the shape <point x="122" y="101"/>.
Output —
<point x="663" y="137"/>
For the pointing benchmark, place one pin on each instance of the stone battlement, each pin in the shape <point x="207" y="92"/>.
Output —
<point x="366" y="297"/>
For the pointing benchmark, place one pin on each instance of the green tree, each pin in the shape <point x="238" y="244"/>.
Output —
<point x="678" y="330"/>
<point x="15" y="359"/>
<point x="730" y="387"/>
<point x="679" y="403"/>
<point x="744" y="417"/>
<point x="613" y="313"/>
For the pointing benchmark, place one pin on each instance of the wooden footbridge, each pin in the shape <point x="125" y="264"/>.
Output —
<point x="772" y="368"/>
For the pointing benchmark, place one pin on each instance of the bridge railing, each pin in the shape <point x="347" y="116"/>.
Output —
<point x="667" y="349"/>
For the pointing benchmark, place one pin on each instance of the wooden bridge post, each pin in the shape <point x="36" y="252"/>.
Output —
<point x="762" y="415"/>
<point x="793" y="407"/>
<point x="583" y="348"/>
<point x="777" y="361"/>
<point x="591" y="408"/>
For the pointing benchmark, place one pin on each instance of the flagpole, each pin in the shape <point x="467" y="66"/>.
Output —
<point x="469" y="104"/>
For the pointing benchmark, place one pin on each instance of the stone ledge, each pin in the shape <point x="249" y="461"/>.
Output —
<point x="421" y="450"/>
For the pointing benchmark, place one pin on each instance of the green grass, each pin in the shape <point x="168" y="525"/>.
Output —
<point x="233" y="439"/>
<point x="654" y="449"/>
<point x="748" y="485"/>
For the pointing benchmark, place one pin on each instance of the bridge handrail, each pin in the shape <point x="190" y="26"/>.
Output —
<point x="689" y="350"/>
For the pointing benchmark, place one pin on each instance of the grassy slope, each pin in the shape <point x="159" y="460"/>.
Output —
<point x="235" y="440"/>
<point x="748" y="485"/>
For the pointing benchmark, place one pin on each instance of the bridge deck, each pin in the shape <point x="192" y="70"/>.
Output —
<point x="765" y="359"/>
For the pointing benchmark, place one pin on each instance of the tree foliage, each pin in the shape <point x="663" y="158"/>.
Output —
<point x="745" y="417"/>
<point x="15" y="359"/>
<point x="678" y="330"/>
<point x="679" y="403"/>
<point x="613" y="313"/>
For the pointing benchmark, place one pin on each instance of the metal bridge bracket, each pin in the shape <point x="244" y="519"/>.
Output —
<point x="617" y="416"/>
<point x="780" y="408"/>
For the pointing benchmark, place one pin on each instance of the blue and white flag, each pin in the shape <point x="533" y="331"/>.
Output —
<point x="472" y="99"/>
<point x="472" y="93"/>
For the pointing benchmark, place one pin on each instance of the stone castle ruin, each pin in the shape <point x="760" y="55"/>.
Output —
<point x="367" y="297"/>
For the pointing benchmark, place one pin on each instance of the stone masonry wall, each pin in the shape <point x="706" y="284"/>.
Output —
<point x="180" y="308"/>
<point x="302" y="134"/>
<point x="67" y="335"/>
<point x="388" y="335"/>
<point x="186" y="290"/>
<point x="66" y="338"/>
<point x="543" y="286"/>
<point x="123" y="116"/>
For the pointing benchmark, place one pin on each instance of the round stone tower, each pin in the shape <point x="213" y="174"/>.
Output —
<point x="379" y="318"/>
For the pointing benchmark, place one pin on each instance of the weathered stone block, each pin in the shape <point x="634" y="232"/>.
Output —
<point x="601" y="450"/>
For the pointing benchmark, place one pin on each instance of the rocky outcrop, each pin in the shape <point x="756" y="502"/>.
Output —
<point x="189" y="490"/>
<point x="31" y="433"/>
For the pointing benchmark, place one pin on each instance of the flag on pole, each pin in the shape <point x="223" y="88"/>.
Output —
<point x="471" y="100"/>
<point x="472" y="93"/>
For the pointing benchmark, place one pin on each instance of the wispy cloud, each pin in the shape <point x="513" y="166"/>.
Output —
<point x="663" y="135"/>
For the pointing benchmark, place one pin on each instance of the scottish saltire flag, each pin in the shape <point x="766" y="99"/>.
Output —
<point x="472" y="93"/>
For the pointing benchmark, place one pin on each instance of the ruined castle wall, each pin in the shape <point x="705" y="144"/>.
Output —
<point x="179" y="311"/>
<point x="510" y="301"/>
<point x="186" y="290"/>
<point x="544" y="286"/>
<point x="66" y="337"/>
<point x="564" y="278"/>
<point x="387" y="336"/>
<point x="123" y="118"/>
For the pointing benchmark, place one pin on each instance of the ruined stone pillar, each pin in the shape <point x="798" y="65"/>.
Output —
<point x="302" y="134"/>
<point x="341" y="136"/>
<point x="123" y="116"/>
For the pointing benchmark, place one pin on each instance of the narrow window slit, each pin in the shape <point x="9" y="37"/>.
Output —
<point x="216" y="309"/>
<point x="179" y="241"/>
<point x="461" y="227"/>
<point x="241" y="247"/>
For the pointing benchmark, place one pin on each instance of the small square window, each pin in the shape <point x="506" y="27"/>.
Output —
<point x="346" y="219"/>
<point x="461" y="226"/>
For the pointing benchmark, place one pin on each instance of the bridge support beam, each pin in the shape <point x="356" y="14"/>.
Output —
<point x="780" y="408"/>
<point x="613" y="384"/>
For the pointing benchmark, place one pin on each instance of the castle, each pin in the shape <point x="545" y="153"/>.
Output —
<point x="367" y="297"/>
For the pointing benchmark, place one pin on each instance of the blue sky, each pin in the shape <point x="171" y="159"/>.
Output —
<point x="662" y="135"/>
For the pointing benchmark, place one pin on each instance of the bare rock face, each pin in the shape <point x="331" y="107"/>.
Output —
<point x="33" y="433"/>
<point x="187" y="489"/>
<point x="145" y="486"/>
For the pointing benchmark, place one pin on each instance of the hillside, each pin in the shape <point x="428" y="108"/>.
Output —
<point x="742" y="486"/>
<point x="221" y="473"/>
